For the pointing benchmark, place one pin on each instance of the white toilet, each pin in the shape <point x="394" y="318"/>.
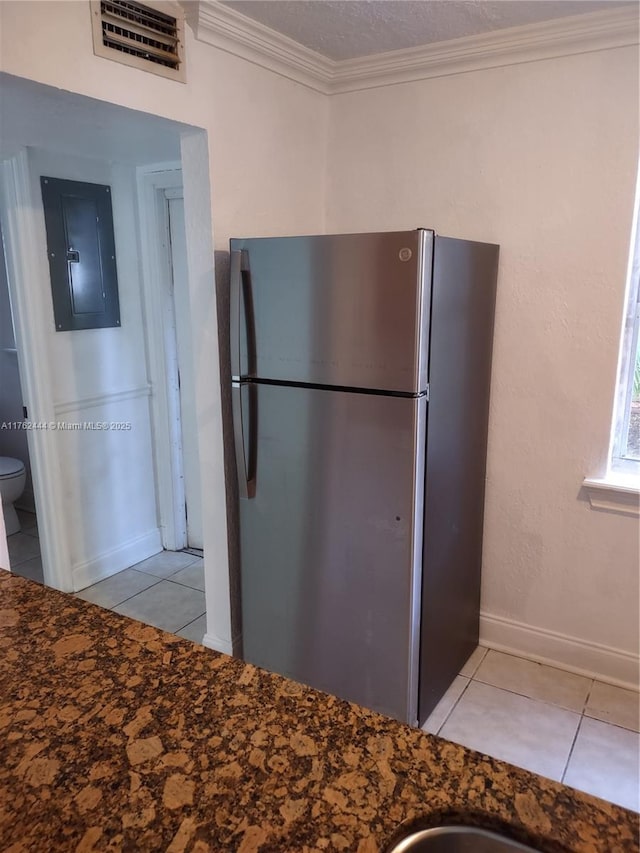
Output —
<point x="12" y="480"/>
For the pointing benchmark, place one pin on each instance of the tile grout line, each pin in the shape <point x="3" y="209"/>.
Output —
<point x="549" y="666"/>
<point x="580" y="717"/>
<point x="573" y="743"/>
<point x="464" y="689"/>
<point x="575" y="737"/>
<point x="526" y="696"/>
<point x="455" y="704"/>
<point x="27" y="560"/>
<point x="170" y="579"/>
<point x="480" y="662"/>
<point x="609" y="723"/>
<point x="474" y="677"/>
<point x="174" y="572"/>
<point x="600" y="719"/>
<point x="158" y="580"/>
<point x="118" y="603"/>
<point x="134" y="595"/>
<point x="144" y="621"/>
<point x="588" y="696"/>
<point x="140" y="572"/>
<point x="532" y="699"/>
<point x="181" y="583"/>
<point x="469" y="679"/>
<point x="191" y="622"/>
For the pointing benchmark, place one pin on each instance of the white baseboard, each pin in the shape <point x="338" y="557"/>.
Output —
<point x="611" y="665"/>
<point x="109" y="562"/>
<point x="218" y="644"/>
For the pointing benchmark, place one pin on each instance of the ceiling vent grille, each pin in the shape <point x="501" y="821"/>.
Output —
<point x="150" y="37"/>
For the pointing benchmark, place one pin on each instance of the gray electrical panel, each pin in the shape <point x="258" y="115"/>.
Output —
<point x="82" y="254"/>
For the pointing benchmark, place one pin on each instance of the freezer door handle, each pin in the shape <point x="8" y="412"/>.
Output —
<point x="235" y="294"/>
<point x="239" y="291"/>
<point x="246" y="479"/>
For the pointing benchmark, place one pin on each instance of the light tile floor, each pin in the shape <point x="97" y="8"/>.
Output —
<point x="564" y="726"/>
<point x="166" y="591"/>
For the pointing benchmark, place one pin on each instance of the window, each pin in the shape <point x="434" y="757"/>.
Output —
<point x="625" y="453"/>
<point x="619" y="489"/>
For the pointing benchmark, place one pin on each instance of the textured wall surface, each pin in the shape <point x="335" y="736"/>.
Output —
<point x="542" y="159"/>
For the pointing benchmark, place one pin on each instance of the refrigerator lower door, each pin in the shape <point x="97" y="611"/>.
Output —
<point x="331" y="543"/>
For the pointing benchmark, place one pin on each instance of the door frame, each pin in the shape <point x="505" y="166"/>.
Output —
<point x="154" y="184"/>
<point x="32" y="314"/>
<point x="26" y="270"/>
<point x="186" y="368"/>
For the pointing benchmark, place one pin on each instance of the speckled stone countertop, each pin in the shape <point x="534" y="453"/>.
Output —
<point x="117" y="736"/>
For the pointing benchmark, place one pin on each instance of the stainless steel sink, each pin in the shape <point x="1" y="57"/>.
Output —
<point x="457" y="839"/>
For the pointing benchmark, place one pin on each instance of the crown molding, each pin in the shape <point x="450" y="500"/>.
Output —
<point x="235" y="33"/>
<point x="530" y="43"/>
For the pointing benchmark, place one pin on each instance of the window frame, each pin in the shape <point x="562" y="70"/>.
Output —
<point x="619" y="462"/>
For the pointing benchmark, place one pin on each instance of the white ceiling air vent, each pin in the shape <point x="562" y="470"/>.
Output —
<point x="149" y="36"/>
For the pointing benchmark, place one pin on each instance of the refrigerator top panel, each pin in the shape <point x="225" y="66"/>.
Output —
<point x="348" y="310"/>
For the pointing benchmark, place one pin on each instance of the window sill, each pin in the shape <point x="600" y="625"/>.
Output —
<point x="614" y="493"/>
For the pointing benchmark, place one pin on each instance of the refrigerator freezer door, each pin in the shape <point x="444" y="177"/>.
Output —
<point x="331" y="543"/>
<point x="350" y="310"/>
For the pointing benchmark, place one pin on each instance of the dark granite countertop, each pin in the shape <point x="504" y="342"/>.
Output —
<point x="118" y="736"/>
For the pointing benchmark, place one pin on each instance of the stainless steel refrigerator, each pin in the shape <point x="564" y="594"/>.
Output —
<point x="360" y="387"/>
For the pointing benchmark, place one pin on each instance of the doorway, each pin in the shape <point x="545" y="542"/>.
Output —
<point x="179" y="283"/>
<point x="15" y="467"/>
<point x="96" y="492"/>
<point x="171" y="355"/>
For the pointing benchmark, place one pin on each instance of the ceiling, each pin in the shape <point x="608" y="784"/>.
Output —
<point x="348" y="29"/>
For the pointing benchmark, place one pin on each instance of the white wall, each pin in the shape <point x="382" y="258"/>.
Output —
<point x="267" y="134"/>
<point x="99" y="375"/>
<point x="541" y="158"/>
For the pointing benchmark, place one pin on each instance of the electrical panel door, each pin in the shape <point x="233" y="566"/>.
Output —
<point x="82" y="254"/>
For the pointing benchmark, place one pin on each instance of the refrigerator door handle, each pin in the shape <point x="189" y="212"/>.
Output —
<point x="246" y="481"/>
<point x="235" y="295"/>
<point x="239" y="293"/>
